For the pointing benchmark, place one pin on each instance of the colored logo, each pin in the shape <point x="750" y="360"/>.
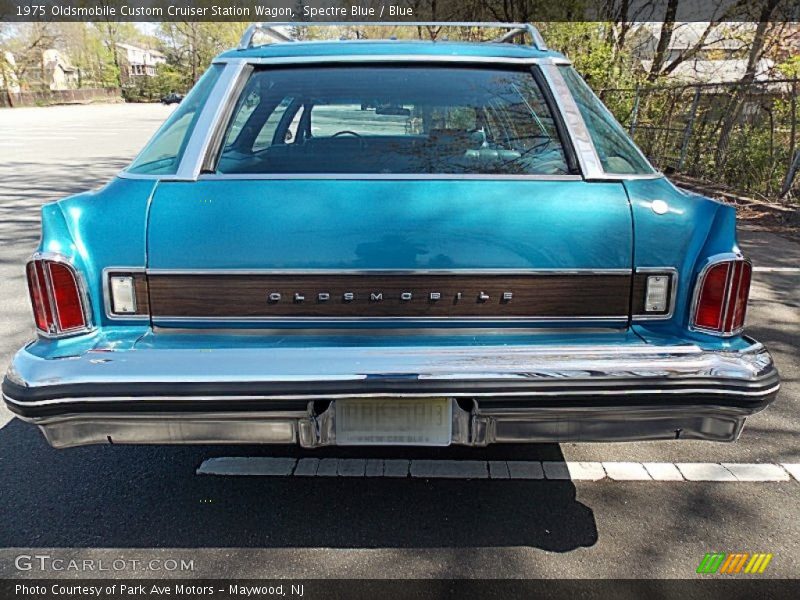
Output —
<point x="731" y="563"/>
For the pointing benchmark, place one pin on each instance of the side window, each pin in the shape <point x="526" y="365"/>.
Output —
<point x="163" y="153"/>
<point x="247" y="108"/>
<point x="294" y="126"/>
<point x="618" y="154"/>
<point x="267" y="133"/>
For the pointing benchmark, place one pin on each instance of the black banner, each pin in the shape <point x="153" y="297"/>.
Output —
<point x="397" y="589"/>
<point x="400" y="10"/>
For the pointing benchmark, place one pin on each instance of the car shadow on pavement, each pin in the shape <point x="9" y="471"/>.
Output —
<point x="132" y="497"/>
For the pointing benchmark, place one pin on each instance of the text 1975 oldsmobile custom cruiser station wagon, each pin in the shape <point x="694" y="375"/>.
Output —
<point x="389" y="242"/>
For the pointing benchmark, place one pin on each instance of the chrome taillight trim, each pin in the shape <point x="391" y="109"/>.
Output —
<point x="83" y="295"/>
<point x="726" y="257"/>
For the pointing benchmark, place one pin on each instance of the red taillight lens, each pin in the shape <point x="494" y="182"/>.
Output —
<point x="722" y="299"/>
<point x="710" y="305"/>
<point x="741" y="293"/>
<point x="56" y="297"/>
<point x="69" y="310"/>
<point x="37" y="286"/>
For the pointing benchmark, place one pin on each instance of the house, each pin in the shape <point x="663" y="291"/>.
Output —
<point x="724" y="41"/>
<point x="57" y="73"/>
<point x="138" y="62"/>
<point x="52" y="72"/>
<point x="720" y="59"/>
<point x="728" y="70"/>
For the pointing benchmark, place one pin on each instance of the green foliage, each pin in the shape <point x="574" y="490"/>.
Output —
<point x="151" y="89"/>
<point x="791" y="67"/>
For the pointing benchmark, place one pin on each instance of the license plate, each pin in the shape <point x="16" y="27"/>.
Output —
<point x="394" y="422"/>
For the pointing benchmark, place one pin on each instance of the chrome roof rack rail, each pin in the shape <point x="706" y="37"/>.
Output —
<point x="249" y="33"/>
<point x="514" y="29"/>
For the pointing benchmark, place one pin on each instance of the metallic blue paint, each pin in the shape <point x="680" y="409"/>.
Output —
<point x="374" y="224"/>
<point x="693" y="228"/>
<point x="426" y="224"/>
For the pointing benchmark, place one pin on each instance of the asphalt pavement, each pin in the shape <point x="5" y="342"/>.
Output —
<point x="144" y="504"/>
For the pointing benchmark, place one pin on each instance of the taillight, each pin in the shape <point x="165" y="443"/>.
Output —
<point x="721" y="297"/>
<point x="56" y="296"/>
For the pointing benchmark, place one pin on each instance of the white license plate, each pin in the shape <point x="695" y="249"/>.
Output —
<point x="394" y="422"/>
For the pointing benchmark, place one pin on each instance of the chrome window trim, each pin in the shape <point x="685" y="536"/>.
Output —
<point x="711" y="261"/>
<point x="210" y="119"/>
<point x="673" y="294"/>
<point x="83" y="293"/>
<point x="384" y="176"/>
<point x="110" y="315"/>
<point x="369" y="58"/>
<point x="582" y="142"/>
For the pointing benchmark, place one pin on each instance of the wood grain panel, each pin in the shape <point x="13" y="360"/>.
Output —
<point x="248" y="296"/>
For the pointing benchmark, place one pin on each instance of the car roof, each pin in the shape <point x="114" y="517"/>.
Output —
<point x="390" y="48"/>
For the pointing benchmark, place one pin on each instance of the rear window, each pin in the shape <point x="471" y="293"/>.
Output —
<point x="385" y="120"/>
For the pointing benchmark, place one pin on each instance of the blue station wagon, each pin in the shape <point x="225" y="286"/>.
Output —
<point x="389" y="242"/>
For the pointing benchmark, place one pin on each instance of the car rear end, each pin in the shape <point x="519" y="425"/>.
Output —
<point x="421" y="244"/>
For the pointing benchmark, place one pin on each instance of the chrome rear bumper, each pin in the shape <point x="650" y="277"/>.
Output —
<point x="288" y="395"/>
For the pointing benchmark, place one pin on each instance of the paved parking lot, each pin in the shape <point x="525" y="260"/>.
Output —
<point x="448" y="518"/>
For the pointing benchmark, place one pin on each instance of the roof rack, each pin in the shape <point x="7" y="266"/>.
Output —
<point x="515" y="30"/>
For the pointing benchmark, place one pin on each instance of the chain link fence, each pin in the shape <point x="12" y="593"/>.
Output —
<point x="682" y="129"/>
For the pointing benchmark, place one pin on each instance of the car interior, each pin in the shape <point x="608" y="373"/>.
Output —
<point x="462" y="121"/>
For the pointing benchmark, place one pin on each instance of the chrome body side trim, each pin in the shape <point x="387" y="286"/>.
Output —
<point x="556" y="271"/>
<point x="390" y="320"/>
<point x="673" y="295"/>
<point x="392" y="332"/>
<point x="732" y="257"/>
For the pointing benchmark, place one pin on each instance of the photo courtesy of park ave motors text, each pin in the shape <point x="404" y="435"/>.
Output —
<point x="376" y="291"/>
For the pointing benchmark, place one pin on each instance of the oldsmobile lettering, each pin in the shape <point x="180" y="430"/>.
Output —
<point x="378" y="296"/>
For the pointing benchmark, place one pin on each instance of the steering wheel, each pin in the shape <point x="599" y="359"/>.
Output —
<point x="346" y="132"/>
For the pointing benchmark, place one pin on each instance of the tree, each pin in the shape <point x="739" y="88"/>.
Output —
<point x="764" y="29"/>
<point x="190" y="46"/>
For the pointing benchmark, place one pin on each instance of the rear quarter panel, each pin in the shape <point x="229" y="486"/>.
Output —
<point x="693" y="229"/>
